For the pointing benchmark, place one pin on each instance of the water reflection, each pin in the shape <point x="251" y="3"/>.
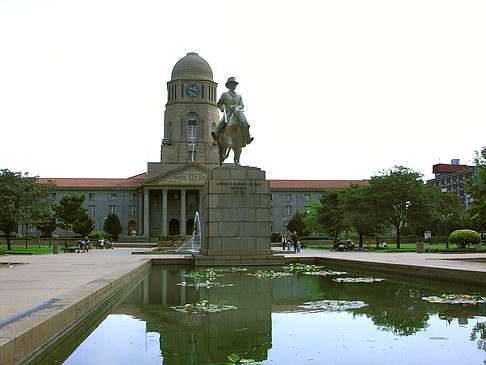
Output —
<point x="395" y="311"/>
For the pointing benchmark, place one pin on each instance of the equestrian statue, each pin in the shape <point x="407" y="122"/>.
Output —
<point x="233" y="130"/>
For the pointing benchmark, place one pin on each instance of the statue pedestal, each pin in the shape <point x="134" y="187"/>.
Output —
<point x="235" y="218"/>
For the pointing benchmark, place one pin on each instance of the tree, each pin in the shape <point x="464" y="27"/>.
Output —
<point x="330" y="214"/>
<point x="84" y="225"/>
<point x="310" y="218"/>
<point x="296" y="223"/>
<point x="477" y="191"/>
<point x="21" y="199"/>
<point x="112" y="225"/>
<point x="69" y="211"/>
<point x="398" y="195"/>
<point x="46" y="221"/>
<point x="356" y="203"/>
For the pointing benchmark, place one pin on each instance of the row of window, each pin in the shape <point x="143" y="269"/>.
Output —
<point x="111" y="196"/>
<point x="132" y="209"/>
<point x="288" y="210"/>
<point x="288" y="197"/>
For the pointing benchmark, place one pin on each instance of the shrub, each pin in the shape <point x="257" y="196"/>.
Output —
<point x="18" y="236"/>
<point x="96" y="234"/>
<point x="463" y="237"/>
<point x="55" y="236"/>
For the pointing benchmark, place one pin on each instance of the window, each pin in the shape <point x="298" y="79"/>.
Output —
<point x="112" y="196"/>
<point x="53" y="195"/>
<point x="288" y="197"/>
<point x="271" y="197"/>
<point x="288" y="210"/>
<point x="92" y="209"/>
<point x="132" y="196"/>
<point x="191" y="155"/>
<point x="112" y="208"/>
<point x="133" y="210"/>
<point x="271" y="210"/>
<point x="92" y="196"/>
<point x="191" y="136"/>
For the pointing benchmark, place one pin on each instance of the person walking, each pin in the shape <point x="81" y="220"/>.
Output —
<point x="295" y="239"/>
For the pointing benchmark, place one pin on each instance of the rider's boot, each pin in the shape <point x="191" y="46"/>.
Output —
<point x="215" y="136"/>
<point x="249" y="140"/>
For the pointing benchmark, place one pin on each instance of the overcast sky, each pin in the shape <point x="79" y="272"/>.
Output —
<point x="332" y="89"/>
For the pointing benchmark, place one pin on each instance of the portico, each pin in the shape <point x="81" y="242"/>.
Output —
<point x="171" y="200"/>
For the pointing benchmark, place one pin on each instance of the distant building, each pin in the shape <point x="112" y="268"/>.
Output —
<point x="452" y="177"/>
<point x="165" y="199"/>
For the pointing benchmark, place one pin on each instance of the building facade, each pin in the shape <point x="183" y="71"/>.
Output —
<point x="452" y="178"/>
<point x="165" y="199"/>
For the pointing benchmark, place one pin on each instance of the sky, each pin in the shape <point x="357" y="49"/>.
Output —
<point x="332" y="89"/>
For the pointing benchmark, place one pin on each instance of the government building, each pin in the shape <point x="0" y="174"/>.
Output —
<point x="165" y="198"/>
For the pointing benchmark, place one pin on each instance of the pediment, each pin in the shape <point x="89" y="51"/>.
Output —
<point x="191" y="174"/>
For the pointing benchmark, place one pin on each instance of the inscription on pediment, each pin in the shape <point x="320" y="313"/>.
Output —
<point x="190" y="176"/>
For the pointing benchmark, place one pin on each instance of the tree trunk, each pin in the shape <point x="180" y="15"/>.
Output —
<point x="398" y="237"/>
<point x="9" y="244"/>
<point x="360" y="239"/>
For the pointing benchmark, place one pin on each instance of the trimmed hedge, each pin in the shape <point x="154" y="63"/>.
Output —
<point x="463" y="237"/>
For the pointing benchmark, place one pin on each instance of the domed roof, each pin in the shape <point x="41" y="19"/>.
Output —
<point x="192" y="66"/>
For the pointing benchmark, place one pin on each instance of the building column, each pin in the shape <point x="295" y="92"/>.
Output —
<point x="140" y="215"/>
<point x="146" y="220"/>
<point x="183" y="211"/>
<point x="164" y="212"/>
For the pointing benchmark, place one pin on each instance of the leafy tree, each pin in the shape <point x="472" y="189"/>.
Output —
<point x="69" y="211"/>
<point x="297" y="224"/>
<point x="84" y="225"/>
<point x="310" y="218"/>
<point x="477" y="191"/>
<point x="330" y="214"/>
<point x="113" y="226"/>
<point x="21" y="199"/>
<point x="398" y="195"/>
<point x="356" y="203"/>
<point x="46" y="221"/>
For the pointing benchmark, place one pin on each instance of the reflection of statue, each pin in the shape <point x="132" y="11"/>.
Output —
<point x="233" y="130"/>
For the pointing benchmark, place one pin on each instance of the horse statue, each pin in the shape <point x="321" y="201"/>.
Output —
<point x="234" y="136"/>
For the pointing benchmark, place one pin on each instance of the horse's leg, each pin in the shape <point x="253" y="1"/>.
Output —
<point x="237" y="153"/>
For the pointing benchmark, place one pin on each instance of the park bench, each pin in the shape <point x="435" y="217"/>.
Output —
<point x="70" y="248"/>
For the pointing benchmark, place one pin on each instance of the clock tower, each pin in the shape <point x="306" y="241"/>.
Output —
<point x="190" y="115"/>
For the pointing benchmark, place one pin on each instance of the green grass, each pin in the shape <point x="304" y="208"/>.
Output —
<point x="32" y="249"/>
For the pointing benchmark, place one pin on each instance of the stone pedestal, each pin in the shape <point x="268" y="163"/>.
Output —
<point x="235" y="217"/>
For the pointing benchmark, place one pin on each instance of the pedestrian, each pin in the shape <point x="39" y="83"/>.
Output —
<point x="86" y="244"/>
<point x="284" y="243"/>
<point x="295" y="239"/>
<point x="384" y="245"/>
<point x="298" y="246"/>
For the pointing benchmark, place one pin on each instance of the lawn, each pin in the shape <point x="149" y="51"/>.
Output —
<point x="33" y="249"/>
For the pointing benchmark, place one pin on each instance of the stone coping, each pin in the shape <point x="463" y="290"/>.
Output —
<point x="26" y="334"/>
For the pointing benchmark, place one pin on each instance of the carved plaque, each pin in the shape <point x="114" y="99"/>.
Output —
<point x="190" y="176"/>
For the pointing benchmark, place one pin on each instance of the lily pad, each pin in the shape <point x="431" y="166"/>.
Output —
<point x="203" y="307"/>
<point x="230" y="269"/>
<point x="302" y="267"/>
<point x="332" y="305"/>
<point x="208" y="274"/>
<point x="265" y="274"/>
<point x="324" y="273"/>
<point x="206" y="284"/>
<point x="456" y="299"/>
<point x="358" y="280"/>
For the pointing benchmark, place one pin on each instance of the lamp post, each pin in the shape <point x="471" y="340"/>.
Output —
<point x="444" y="190"/>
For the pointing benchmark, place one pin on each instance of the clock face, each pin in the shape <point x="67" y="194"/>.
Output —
<point x="192" y="90"/>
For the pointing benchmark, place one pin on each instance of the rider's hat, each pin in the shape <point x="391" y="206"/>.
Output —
<point x="231" y="80"/>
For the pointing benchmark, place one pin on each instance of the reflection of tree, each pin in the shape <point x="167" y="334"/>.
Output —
<point x="479" y="329"/>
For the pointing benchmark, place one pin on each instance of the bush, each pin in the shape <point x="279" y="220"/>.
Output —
<point x="55" y="236"/>
<point x="18" y="236"/>
<point x="463" y="237"/>
<point x="96" y="234"/>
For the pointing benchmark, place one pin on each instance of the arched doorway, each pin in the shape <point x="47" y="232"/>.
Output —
<point x="132" y="228"/>
<point x="174" y="227"/>
<point x="190" y="226"/>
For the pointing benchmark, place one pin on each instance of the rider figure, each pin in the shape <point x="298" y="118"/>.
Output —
<point x="231" y="101"/>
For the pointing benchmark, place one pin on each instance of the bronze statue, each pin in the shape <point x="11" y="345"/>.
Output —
<point x="233" y="130"/>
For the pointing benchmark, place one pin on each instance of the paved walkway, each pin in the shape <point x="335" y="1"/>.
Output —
<point x="42" y="277"/>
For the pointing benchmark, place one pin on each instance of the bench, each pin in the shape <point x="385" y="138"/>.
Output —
<point x="70" y="248"/>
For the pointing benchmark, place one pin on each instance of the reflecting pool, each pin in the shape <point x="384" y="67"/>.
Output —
<point x="297" y="319"/>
